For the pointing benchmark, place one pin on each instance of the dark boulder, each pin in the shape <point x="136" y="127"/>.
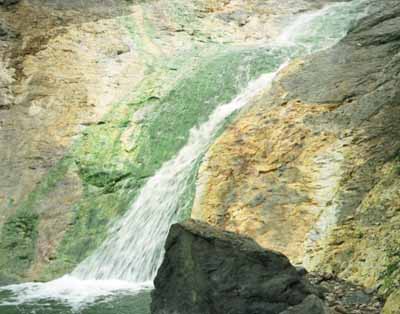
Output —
<point x="210" y="271"/>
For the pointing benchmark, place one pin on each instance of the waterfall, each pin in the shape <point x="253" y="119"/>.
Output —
<point x="130" y="256"/>
<point x="134" y="250"/>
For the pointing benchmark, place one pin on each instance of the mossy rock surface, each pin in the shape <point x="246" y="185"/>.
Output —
<point x="17" y="248"/>
<point x="114" y="157"/>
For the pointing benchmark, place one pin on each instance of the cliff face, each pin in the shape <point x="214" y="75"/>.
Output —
<point x="95" y="96"/>
<point x="312" y="169"/>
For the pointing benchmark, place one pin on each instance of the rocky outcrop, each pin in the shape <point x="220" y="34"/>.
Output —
<point x="207" y="270"/>
<point x="312" y="169"/>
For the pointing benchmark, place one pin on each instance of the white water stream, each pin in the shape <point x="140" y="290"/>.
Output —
<point x="133" y="252"/>
<point x="130" y="256"/>
<point x="128" y="260"/>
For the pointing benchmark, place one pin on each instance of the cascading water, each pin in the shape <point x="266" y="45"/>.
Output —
<point x="133" y="251"/>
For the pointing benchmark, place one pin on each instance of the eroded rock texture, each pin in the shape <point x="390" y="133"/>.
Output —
<point x="312" y="169"/>
<point x="210" y="271"/>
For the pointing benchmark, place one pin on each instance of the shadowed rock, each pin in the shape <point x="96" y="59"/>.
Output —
<point x="8" y="2"/>
<point x="207" y="270"/>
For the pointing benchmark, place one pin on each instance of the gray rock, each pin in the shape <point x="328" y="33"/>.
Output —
<point x="362" y="62"/>
<point x="311" y="305"/>
<point x="361" y="75"/>
<point x="210" y="271"/>
<point x="301" y="270"/>
<point x="357" y="297"/>
<point x="6" y="33"/>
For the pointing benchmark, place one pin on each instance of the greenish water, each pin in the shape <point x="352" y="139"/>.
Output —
<point x="121" y="304"/>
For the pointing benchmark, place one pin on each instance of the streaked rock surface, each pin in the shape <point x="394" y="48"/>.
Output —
<point x="312" y="168"/>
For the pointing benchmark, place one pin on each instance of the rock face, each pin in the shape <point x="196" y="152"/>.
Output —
<point x="210" y="271"/>
<point x="95" y="96"/>
<point x="312" y="169"/>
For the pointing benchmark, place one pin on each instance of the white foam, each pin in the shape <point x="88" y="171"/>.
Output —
<point x="128" y="260"/>
<point x="133" y="250"/>
<point x="72" y="291"/>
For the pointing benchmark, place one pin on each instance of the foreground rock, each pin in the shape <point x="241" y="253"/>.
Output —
<point x="207" y="270"/>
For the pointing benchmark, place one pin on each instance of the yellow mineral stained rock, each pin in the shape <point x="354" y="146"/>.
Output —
<point x="273" y="177"/>
<point x="392" y="305"/>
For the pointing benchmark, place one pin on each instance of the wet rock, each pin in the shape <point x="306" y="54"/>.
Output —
<point x="6" y="33"/>
<point x="327" y="276"/>
<point x="207" y="270"/>
<point x="71" y="63"/>
<point x="340" y="309"/>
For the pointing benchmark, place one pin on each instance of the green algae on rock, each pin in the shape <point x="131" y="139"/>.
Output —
<point x="114" y="153"/>
<point x="17" y="248"/>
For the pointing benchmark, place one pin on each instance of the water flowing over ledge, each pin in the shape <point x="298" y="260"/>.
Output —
<point x="135" y="256"/>
<point x="128" y="260"/>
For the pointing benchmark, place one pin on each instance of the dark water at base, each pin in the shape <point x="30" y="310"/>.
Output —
<point x="123" y="304"/>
